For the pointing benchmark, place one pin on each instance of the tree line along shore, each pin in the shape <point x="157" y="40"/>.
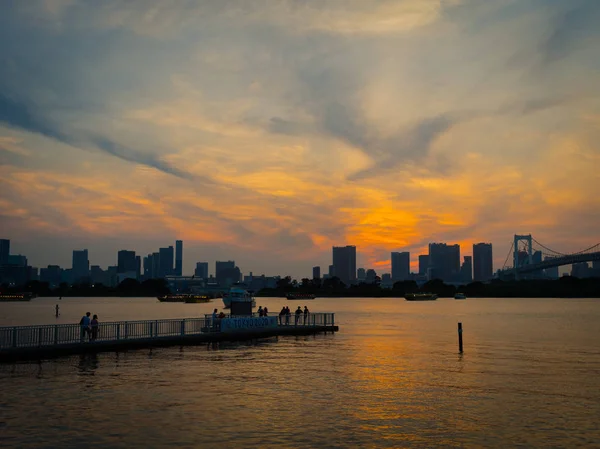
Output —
<point x="564" y="287"/>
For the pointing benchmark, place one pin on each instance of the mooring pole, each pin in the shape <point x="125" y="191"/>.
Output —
<point x="460" y="343"/>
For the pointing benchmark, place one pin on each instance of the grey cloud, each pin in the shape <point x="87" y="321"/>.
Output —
<point x="19" y="115"/>
<point x="569" y="29"/>
<point x="130" y="155"/>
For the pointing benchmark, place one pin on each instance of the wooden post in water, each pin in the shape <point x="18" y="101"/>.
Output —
<point x="460" y="342"/>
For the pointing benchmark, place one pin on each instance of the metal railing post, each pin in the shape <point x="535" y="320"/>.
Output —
<point x="14" y="337"/>
<point x="333" y="319"/>
<point x="156" y="328"/>
<point x="56" y="334"/>
<point x="183" y="327"/>
<point x="40" y="336"/>
<point x="325" y="320"/>
<point x="126" y="330"/>
<point x="118" y="331"/>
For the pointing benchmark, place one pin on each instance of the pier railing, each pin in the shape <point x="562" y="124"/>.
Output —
<point x="61" y="334"/>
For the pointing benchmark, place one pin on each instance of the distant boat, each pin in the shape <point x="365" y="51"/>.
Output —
<point x="25" y="296"/>
<point x="300" y="296"/>
<point x="182" y="297"/>
<point x="239" y="295"/>
<point x="460" y="296"/>
<point x="420" y="296"/>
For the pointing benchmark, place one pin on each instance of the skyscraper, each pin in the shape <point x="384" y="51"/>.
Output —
<point x="201" y="270"/>
<point x="165" y="262"/>
<point x="4" y="251"/>
<point x="178" y="257"/>
<point x="466" y="270"/>
<point x="80" y="266"/>
<point x="226" y="273"/>
<point x="423" y="263"/>
<point x="483" y="268"/>
<point x="444" y="262"/>
<point x="138" y="267"/>
<point x="344" y="263"/>
<point x="126" y="262"/>
<point x="316" y="272"/>
<point x="400" y="266"/>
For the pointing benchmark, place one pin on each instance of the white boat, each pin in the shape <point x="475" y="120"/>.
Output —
<point x="460" y="296"/>
<point x="237" y="294"/>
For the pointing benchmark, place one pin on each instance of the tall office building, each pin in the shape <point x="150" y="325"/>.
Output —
<point x="330" y="271"/>
<point x="423" y="264"/>
<point x="483" y="268"/>
<point x="138" y="267"/>
<point x="344" y="263"/>
<point x="227" y="273"/>
<point x="4" y="251"/>
<point x="444" y="262"/>
<point x="165" y="262"/>
<point x="316" y="272"/>
<point x="400" y="266"/>
<point x="80" y="266"/>
<point x="201" y="270"/>
<point x="466" y="270"/>
<point x="178" y="257"/>
<point x="126" y="262"/>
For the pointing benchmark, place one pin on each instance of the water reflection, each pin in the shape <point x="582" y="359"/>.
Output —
<point x="88" y="364"/>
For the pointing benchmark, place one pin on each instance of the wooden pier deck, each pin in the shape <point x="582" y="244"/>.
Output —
<point x="37" y="342"/>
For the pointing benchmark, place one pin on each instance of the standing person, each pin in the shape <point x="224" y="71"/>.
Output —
<point x="298" y="313"/>
<point x="265" y="311"/>
<point x="306" y="312"/>
<point x="261" y="312"/>
<point x="214" y="319"/>
<point x="281" y="315"/>
<point x="85" y="325"/>
<point x="95" y="327"/>
<point x="57" y="311"/>
<point x="287" y="315"/>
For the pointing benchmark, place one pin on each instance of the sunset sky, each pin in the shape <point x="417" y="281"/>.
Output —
<point x="268" y="131"/>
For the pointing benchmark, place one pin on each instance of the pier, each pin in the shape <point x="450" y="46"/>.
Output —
<point x="34" y="342"/>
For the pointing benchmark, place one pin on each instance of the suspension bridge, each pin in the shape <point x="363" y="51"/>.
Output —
<point x="530" y="258"/>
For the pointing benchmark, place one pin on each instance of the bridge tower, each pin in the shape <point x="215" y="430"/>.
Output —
<point x="522" y="238"/>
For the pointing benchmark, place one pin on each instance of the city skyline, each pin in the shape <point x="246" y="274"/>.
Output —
<point x="267" y="133"/>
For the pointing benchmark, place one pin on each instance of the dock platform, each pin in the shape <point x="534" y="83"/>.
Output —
<point x="39" y="342"/>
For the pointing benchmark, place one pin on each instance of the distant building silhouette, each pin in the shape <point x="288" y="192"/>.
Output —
<point x="580" y="270"/>
<point x="81" y="266"/>
<point x="344" y="263"/>
<point x="165" y="262"/>
<point x="138" y="267"/>
<point x="178" y="257"/>
<point x="201" y="270"/>
<point x="330" y="271"/>
<point x="400" y="266"/>
<point x="444" y="262"/>
<point x="483" y="268"/>
<point x="361" y="275"/>
<point x="316" y="272"/>
<point x="552" y="272"/>
<point x="227" y="273"/>
<point x="466" y="270"/>
<point x="371" y="276"/>
<point x="126" y="262"/>
<point x="4" y="251"/>
<point x="423" y="264"/>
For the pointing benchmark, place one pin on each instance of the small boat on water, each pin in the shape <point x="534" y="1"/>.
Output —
<point x="300" y="296"/>
<point x="25" y="296"/>
<point x="182" y="297"/>
<point x="420" y="296"/>
<point x="460" y="296"/>
<point x="239" y="295"/>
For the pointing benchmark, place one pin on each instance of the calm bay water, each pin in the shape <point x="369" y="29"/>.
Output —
<point x="391" y="377"/>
